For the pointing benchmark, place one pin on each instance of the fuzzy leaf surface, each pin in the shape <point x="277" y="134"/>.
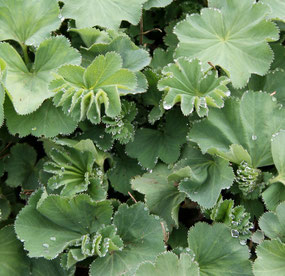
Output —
<point x="163" y="144"/>
<point x="80" y="92"/>
<point x="278" y="154"/>
<point x="143" y="239"/>
<point x="133" y="57"/>
<point x="223" y="35"/>
<point x="217" y="252"/>
<point x="273" y="223"/>
<point x="168" y="264"/>
<point x="21" y="166"/>
<point x="270" y="259"/>
<point x="277" y="8"/>
<point x="207" y="176"/>
<point x="13" y="260"/>
<point x="239" y="123"/>
<point x="47" y="121"/>
<point x="56" y="222"/>
<point x="43" y="17"/>
<point x="161" y="196"/>
<point x="104" y="13"/>
<point x="156" y="4"/>
<point x="274" y="195"/>
<point x="28" y="89"/>
<point x="185" y="82"/>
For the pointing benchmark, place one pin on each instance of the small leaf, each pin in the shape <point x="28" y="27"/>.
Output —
<point x="80" y="92"/>
<point x="21" y="167"/>
<point x="164" y="144"/>
<point x="161" y="196"/>
<point x="273" y="223"/>
<point x="168" y="264"/>
<point x="185" y="82"/>
<point x="124" y="169"/>
<point x="207" y="176"/>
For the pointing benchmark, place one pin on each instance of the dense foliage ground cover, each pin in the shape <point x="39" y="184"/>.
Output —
<point x="142" y="137"/>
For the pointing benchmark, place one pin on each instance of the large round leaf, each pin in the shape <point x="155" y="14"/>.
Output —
<point x="104" y="13"/>
<point x="28" y="89"/>
<point x="239" y="123"/>
<point x="231" y="34"/>
<point x="217" y="252"/>
<point x="28" y="21"/>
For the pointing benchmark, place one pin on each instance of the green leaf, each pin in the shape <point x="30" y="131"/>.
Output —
<point x="5" y="208"/>
<point x="28" y="89"/>
<point x="72" y="169"/>
<point x="236" y="218"/>
<point x="143" y="239"/>
<point x="207" y="176"/>
<point x="270" y="259"/>
<point x="92" y="35"/>
<point x="97" y="134"/>
<point x="273" y="223"/>
<point x="121" y="127"/>
<point x="43" y="267"/>
<point x="161" y="196"/>
<point x="57" y="222"/>
<point x="47" y="121"/>
<point x="239" y="123"/>
<point x="272" y="82"/>
<point x="133" y="57"/>
<point x="43" y="18"/>
<point x="278" y="154"/>
<point x="13" y="260"/>
<point x="273" y="196"/>
<point x="222" y="36"/>
<point x="153" y="97"/>
<point x="161" y="58"/>
<point x="104" y="13"/>
<point x="277" y="8"/>
<point x="124" y="169"/>
<point x="80" y="92"/>
<point x="217" y="252"/>
<point x="168" y="264"/>
<point x="21" y="167"/>
<point x="164" y="144"/>
<point x="185" y="82"/>
<point x="156" y="4"/>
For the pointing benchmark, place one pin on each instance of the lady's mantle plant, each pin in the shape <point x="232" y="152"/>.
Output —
<point x="142" y="137"/>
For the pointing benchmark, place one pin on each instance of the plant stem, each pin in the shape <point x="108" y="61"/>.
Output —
<point x="141" y="30"/>
<point x="25" y="52"/>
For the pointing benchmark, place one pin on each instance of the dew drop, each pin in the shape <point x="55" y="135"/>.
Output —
<point x="242" y="242"/>
<point x="234" y="233"/>
<point x="254" y="137"/>
<point x="45" y="245"/>
<point x="52" y="238"/>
